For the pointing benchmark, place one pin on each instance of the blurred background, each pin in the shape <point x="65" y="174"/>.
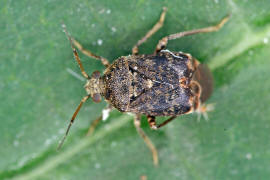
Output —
<point x="39" y="91"/>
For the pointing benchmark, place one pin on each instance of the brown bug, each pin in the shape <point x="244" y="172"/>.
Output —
<point x="164" y="83"/>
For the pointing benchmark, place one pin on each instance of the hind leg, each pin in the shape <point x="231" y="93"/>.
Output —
<point x="153" y="125"/>
<point x="164" y="41"/>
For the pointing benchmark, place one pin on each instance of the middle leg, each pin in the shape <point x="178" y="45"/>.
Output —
<point x="104" y="116"/>
<point x="155" y="28"/>
<point x="151" y="146"/>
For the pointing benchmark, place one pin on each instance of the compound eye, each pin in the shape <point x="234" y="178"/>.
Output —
<point x="96" y="97"/>
<point x="96" y="74"/>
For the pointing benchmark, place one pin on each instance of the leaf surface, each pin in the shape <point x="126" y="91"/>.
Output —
<point x="39" y="91"/>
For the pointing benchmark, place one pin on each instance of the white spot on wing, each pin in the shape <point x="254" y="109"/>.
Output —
<point x="166" y="50"/>
<point x="149" y="83"/>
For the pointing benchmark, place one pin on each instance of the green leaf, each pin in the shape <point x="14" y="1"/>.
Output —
<point x="39" y="91"/>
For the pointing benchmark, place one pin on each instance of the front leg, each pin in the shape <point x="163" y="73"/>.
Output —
<point x="90" y="54"/>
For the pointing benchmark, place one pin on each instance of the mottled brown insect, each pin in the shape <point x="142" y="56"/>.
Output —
<point x="164" y="83"/>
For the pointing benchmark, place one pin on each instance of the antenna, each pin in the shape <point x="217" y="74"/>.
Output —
<point x="72" y="120"/>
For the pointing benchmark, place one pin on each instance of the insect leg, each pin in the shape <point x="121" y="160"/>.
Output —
<point x="155" y="28"/>
<point x="93" y="126"/>
<point x="152" y="122"/>
<point x="198" y="106"/>
<point x="88" y="53"/>
<point x="195" y="88"/>
<point x="104" y="116"/>
<point x="151" y="146"/>
<point x="72" y="119"/>
<point x="164" y="41"/>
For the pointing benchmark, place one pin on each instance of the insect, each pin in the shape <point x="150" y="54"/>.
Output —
<point x="164" y="83"/>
